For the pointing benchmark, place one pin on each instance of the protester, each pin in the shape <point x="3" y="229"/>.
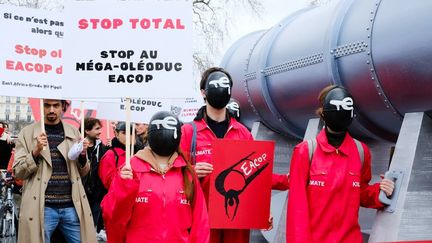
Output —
<point x="140" y="136"/>
<point x="6" y="145"/>
<point x="329" y="180"/>
<point x="157" y="198"/>
<point x="92" y="183"/>
<point x="114" y="158"/>
<point x="17" y="183"/>
<point x="214" y="121"/>
<point x="53" y="195"/>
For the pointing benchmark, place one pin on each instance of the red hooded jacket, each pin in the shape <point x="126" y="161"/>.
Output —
<point x="107" y="165"/>
<point x="326" y="194"/>
<point x="153" y="207"/>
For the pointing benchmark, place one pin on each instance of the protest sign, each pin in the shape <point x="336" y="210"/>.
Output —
<point x="240" y="184"/>
<point x="87" y="104"/>
<point x="143" y="109"/>
<point x="131" y="49"/>
<point x="31" y="54"/>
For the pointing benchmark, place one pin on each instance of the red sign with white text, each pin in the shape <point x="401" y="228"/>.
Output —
<point x="240" y="185"/>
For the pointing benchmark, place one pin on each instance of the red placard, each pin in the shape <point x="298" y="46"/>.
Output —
<point x="240" y="185"/>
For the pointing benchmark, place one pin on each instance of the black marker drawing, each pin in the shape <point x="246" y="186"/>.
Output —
<point x="232" y="196"/>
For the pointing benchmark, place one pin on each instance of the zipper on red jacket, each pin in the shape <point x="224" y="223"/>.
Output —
<point x="163" y="178"/>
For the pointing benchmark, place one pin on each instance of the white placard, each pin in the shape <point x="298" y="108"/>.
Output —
<point x="128" y="49"/>
<point x="31" y="52"/>
<point x="143" y="109"/>
<point x="87" y="105"/>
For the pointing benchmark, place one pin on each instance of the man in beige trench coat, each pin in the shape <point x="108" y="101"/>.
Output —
<point x="53" y="195"/>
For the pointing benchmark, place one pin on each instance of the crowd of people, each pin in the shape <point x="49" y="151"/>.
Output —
<point x="82" y="190"/>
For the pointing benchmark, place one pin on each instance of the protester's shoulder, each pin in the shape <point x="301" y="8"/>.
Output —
<point x="139" y="164"/>
<point x="31" y="126"/>
<point x="28" y="129"/>
<point x="70" y="127"/>
<point x="108" y="154"/>
<point x="187" y="127"/>
<point x="240" y="127"/>
<point x="303" y="145"/>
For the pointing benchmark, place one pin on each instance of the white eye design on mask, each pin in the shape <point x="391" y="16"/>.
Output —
<point x="345" y="104"/>
<point x="168" y="122"/>
<point x="234" y="107"/>
<point x="222" y="82"/>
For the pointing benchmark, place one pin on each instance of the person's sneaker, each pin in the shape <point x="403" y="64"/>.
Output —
<point x="101" y="236"/>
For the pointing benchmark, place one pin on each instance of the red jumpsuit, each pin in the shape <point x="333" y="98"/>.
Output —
<point x="325" y="195"/>
<point x="153" y="207"/>
<point x="203" y="152"/>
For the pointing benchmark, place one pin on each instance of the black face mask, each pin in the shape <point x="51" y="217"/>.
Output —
<point x="164" y="133"/>
<point x="218" y="90"/>
<point x="338" y="109"/>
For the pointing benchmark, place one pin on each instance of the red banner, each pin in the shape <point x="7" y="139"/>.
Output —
<point x="73" y="117"/>
<point x="240" y="188"/>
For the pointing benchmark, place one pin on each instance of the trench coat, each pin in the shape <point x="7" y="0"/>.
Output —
<point x="36" y="177"/>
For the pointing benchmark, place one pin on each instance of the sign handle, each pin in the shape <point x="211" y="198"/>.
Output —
<point x="82" y="118"/>
<point x="128" y="135"/>
<point x="133" y="139"/>
<point x="108" y="127"/>
<point x="42" y="118"/>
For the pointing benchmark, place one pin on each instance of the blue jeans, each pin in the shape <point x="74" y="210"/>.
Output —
<point x="67" y="221"/>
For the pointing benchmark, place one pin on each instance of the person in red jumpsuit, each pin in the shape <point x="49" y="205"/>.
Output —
<point x="327" y="192"/>
<point x="213" y="121"/>
<point x="158" y="197"/>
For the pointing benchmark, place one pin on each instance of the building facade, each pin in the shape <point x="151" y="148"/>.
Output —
<point x="16" y="111"/>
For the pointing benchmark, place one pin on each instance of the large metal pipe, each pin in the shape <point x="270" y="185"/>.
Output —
<point x="381" y="50"/>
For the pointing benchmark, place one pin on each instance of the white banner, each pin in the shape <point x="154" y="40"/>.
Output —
<point x="128" y="49"/>
<point x="143" y="109"/>
<point x="86" y="105"/>
<point x="31" y="52"/>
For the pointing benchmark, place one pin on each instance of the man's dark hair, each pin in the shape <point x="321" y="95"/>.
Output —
<point x="89" y="123"/>
<point x="65" y="105"/>
<point x="211" y="70"/>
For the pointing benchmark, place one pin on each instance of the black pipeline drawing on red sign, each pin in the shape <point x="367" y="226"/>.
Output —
<point x="240" y="185"/>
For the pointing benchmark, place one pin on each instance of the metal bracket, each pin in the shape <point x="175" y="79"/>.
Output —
<point x="397" y="177"/>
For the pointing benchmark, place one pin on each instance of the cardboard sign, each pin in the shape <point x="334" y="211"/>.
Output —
<point x="31" y="52"/>
<point x="130" y="49"/>
<point x="240" y="185"/>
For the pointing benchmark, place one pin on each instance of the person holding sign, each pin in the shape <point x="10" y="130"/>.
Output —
<point x="330" y="178"/>
<point x="157" y="198"/>
<point x="92" y="183"/>
<point x="115" y="157"/>
<point x="53" y="195"/>
<point x="214" y="121"/>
